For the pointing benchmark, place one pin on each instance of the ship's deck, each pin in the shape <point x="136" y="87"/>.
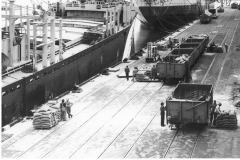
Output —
<point x="116" y="118"/>
<point x="69" y="33"/>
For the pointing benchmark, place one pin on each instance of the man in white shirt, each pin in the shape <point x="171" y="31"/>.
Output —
<point x="216" y="112"/>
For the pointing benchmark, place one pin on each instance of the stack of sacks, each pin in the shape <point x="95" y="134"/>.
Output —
<point x="45" y="118"/>
<point x="227" y="120"/>
<point x="182" y="58"/>
<point x="37" y="120"/>
<point x="219" y="49"/>
<point x="57" y="110"/>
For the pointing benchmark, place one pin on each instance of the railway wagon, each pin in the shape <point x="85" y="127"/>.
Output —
<point x="205" y="18"/>
<point x="195" y="38"/>
<point x="169" y="68"/>
<point x="187" y="104"/>
<point x="234" y="5"/>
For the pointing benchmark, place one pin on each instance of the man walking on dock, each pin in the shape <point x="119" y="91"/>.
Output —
<point x="162" y="109"/>
<point x="127" y="70"/>
<point x="226" y="47"/>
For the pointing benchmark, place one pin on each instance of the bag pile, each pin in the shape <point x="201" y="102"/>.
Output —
<point x="183" y="58"/>
<point x="219" y="49"/>
<point x="46" y="118"/>
<point x="227" y="120"/>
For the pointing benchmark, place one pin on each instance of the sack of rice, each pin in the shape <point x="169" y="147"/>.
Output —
<point x="46" y="113"/>
<point x="40" y="110"/>
<point x="36" y="114"/>
<point x="57" y="106"/>
<point x="52" y="102"/>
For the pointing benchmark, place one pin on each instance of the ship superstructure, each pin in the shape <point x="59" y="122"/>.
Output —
<point x="53" y="61"/>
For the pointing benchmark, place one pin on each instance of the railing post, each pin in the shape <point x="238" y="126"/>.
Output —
<point x="44" y="53"/>
<point x="53" y="38"/>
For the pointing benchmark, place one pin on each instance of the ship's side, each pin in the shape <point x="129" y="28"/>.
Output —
<point x="22" y="95"/>
<point x="170" y="14"/>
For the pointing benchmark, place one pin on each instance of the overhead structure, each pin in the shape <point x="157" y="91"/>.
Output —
<point x="16" y="34"/>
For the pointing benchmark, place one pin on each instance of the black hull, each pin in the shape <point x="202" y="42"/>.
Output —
<point x="61" y="76"/>
<point x="171" y="17"/>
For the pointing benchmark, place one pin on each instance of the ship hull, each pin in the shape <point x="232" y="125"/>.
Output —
<point x="171" y="17"/>
<point x="23" y="95"/>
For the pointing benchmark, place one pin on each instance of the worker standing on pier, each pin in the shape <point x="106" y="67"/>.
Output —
<point x="162" y="109"/>
<point x="68" y="106"/>
<point x="135" y="70"/>
<point x="216" y="113"/>
<point x="226" y="47"/>
<point x="127" y="70"/>
<point x="63" y="110"/>
<point x="153" y="72"/>
<point x="213" y="107"/>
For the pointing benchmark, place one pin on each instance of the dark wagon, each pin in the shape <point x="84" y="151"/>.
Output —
<point x="169" y="68"/>
<point x="234" y="5"/>
<point x="184" y="106"/>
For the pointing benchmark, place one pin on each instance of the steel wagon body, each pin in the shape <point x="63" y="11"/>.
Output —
<point x="183" y="105"/>
<point x="169" y="68"/>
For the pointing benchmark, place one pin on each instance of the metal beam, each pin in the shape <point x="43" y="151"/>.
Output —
<point x="34" y="45"/>
<point x="23" y="17"/>
<point x="28" y="37"/>
<point x="11" y="32"/>
<point x="52" y="60"/>
<point x="44" y="54"/>
<point x="60" y="40"/>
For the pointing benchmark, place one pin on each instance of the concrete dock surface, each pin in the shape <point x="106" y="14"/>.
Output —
<point x="116" y="118"/>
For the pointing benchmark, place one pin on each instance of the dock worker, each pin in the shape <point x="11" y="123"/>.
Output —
<point x="212" y="46"/>
<point x="226" y="47"/>
<point x="50" y="96"/>
<point x="153" y="71"/>
<point x="135" y="70"/>
<point x="68" y="107"/>
<point x="216" y="113"/>
<point x="127" y="70"/>
<point x="162" y="110"/>
<point x="63" y="110"/>
<point x="213" y="107"/>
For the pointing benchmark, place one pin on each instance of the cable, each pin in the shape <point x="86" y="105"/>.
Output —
<point x="157" y="18"/>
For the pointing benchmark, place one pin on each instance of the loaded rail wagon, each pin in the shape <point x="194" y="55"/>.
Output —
<point x="234" y="5"/>
<point x="189" y="103"/>
<point x="206" y="17"/>
<point x="176" y="65"/>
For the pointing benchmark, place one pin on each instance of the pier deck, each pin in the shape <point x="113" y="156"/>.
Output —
<point x="116" y="118"/>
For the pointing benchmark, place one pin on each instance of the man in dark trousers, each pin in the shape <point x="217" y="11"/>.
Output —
<point x="213" y="107"/>
<point x="127" y="70"/>
<point x="226" y="47"/>
<point x="216" y="113"/>
<point x="162" y="110"/>
<point x="154" y="70"/>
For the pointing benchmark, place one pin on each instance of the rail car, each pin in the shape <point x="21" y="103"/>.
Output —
<point x="234" y="5"/>
<point x="189" y="104"/>
<point x="189" y="51"/>
<point x="206" y="17"/>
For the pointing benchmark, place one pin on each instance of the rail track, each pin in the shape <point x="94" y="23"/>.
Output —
<point x="198" y="133"/>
